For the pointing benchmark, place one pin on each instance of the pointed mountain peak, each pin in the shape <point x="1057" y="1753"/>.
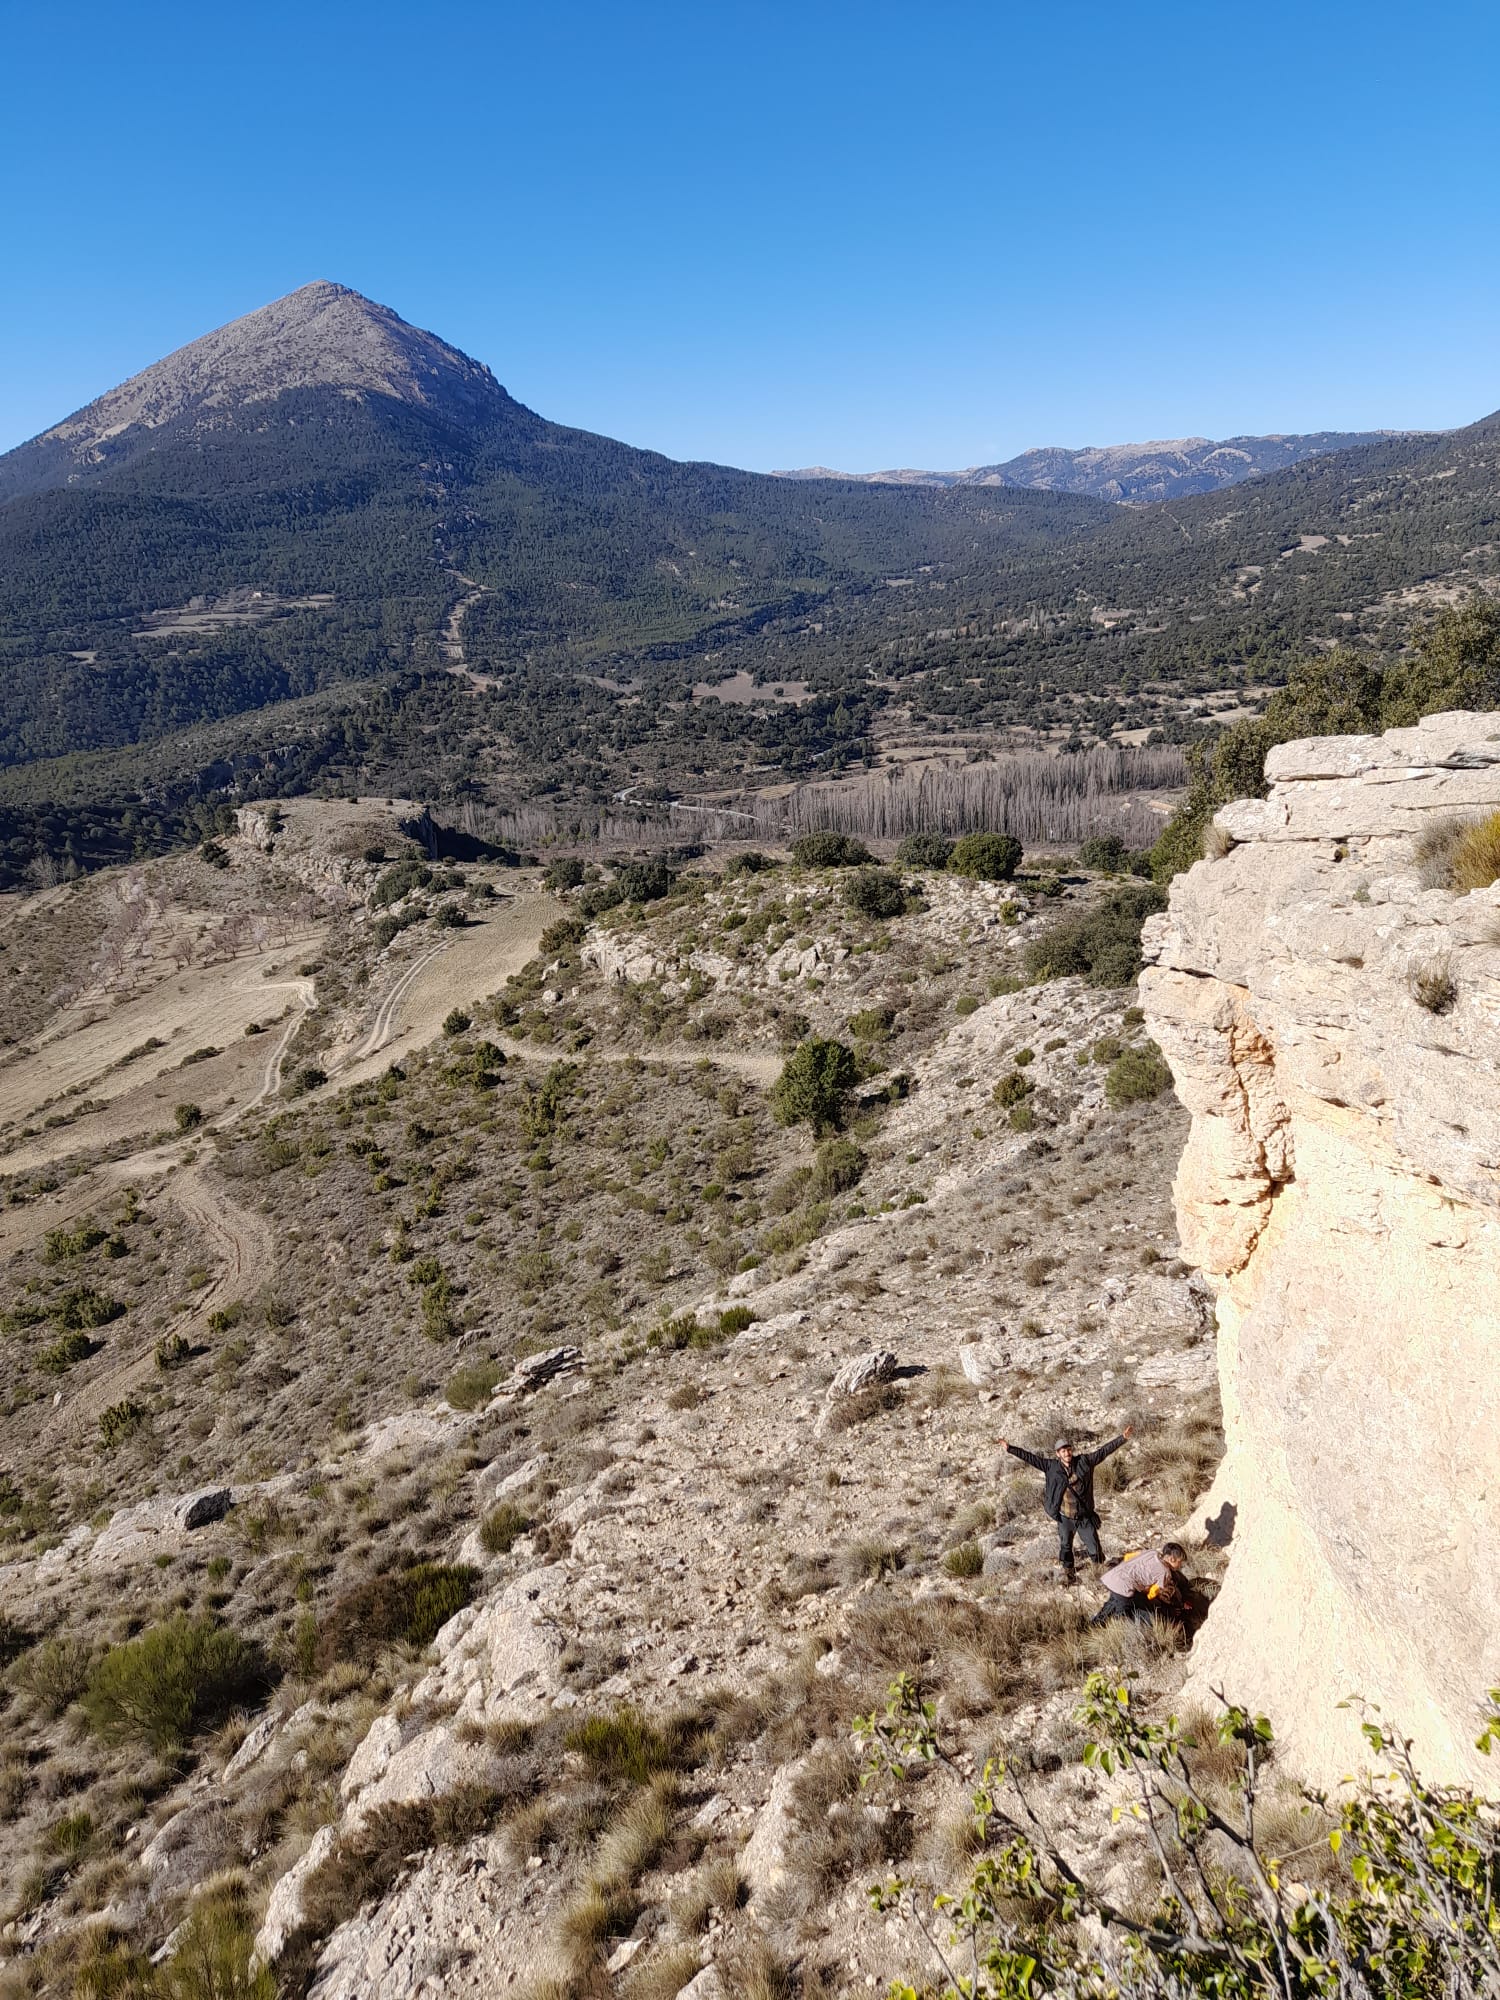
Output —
<point x="322" y="336"/>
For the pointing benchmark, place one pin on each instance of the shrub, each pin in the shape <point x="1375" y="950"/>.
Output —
<point x="471" y="1387"/>
<point x="173" y="1351"/>
<point x="306" y="1078"/>
<point x="1137" y="1075"/>
<point x="213" y="1954"/>
<point x="54" y="1674"/>
<point x="64" y="1243"/>
<point x="1012" y="1090"/>
<point x="925" y="850"/>
<point x="1476" y="858"/>
<point x="561" y="936"/>
<point x="813" y="1085"/>
<point x="986" y="857"/>
<point x="748" y="863"/>
<point x="188" y="1116"/>
<point x="875" y="892"/>
<point x="1405" y="1912"/>
<point x="871" y="1024"/>
<point x="838" y="1167"/>
<point x="60" y="1356"/>
<point x="830" y="850"/>
<point x="1106" y="853"/>
<point x="502" y="1527"/>
<point x="401" y="1607"/>
<point x="448" y="916"/>
<point x="179" y="1678"/>
<point x="120" y="1421"/>
<point x="966" y="1004"/>
<point x="644" y="881"/>
<point x="83" y="1307"/>
<point x="735" y="1319"/>
<point x="1434" y="987"/>
<point x="457" y="1022"/>
<point x="565" y="873"/>
<point x="1101" y="946"/>
<point x="400" y="881"/>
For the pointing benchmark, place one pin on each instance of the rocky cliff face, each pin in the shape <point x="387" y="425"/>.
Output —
<point x="1333" y="1026"/>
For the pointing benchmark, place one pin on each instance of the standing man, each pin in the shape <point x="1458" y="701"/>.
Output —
<point x="1068" y="1495"/>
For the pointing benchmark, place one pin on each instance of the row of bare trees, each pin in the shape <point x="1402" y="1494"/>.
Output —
<point x="1043" y="800"/>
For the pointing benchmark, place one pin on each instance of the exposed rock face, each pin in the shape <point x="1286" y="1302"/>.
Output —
<point x="1341" y="1190"/>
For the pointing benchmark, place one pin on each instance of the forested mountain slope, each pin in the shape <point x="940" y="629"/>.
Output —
<point x="322" y="450"/>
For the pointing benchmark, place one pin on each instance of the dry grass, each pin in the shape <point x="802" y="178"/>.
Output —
<point x="662" y="1974"/>
<point x="1434" y="987"/>
<point x="1475" y="861"/>
<point x="638" y="1836"/>
<point x="717" y="1889"/>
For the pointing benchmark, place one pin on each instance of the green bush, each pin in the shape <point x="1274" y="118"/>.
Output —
<point x="966" y="1004"/>
<point x="61" y="1355"/>
<point x="400" y="1607"/>
<point x="120" y="1421"/>
<point x="814" y="1084"/>
<point x="1402" y="1906"/>
<point x="173" y="1351"/>
<point x="871" y="1024"/>
<point x="502" y="1528"/>
<point x="561" y="936"/>
<point x="1102" y="945"/>
<point x="1103" y="852"/>
<point x="1012" y="1090"/>
<point x="830" y="850"/>
<point x="925" y="850"/>
<point x="457" y="1022"/>
<point x="644" y="881"/>
<point x="63" y="1243"/>
<point x="83" y="1308"/>
<point x="735" y="1319"/>
<point x="1137" y="1075"/>
<point x="448" y="916"/>
<point x="400" y="881"/>
<point x="179" y="1678"/>
<point x="875" y="892"/>
<point x="986" y="857"/>
<point x="838" y="1167"/>
<point x="54" y="1674"/>
<point x="565" y="873"/>
<point x="188" y="1116"/>
<point x="307" y="1078"/>
<point x="748" y="863"/>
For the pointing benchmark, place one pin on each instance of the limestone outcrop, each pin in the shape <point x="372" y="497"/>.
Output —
<point x="1333" y="1026"/>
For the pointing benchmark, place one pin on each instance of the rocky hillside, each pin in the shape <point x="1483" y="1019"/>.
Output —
<point x="456" y="1503"/>
<point x="1326" y="991"/>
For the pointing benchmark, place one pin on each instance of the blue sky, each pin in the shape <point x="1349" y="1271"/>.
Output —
<point x="781" y="234"/>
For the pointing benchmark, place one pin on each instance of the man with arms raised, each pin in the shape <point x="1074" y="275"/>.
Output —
<point x="1068" y="1495"/>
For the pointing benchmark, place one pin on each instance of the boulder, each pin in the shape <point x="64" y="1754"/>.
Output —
<point x="764" y="1859"/>
<point x="984" y="1363"/>
<point x="866" y="1371"/>
<point x="284" y="1905"/>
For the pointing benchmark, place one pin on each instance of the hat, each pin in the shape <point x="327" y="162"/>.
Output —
<point x="1063" y="1444"/>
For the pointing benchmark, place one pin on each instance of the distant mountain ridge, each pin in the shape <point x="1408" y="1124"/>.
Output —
<point x="1129" y="474"/>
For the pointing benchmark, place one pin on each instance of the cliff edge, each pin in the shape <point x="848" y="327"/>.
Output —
<point x="1333" y="1026"/>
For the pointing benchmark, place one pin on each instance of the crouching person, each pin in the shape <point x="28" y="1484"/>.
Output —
<point x="1147" y="1586"/>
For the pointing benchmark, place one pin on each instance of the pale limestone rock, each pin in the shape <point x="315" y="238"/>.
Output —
<point x="139" y="1533"/>
<point x="984" y="1363"/>
<point x="763" y="1861"/>
<point x="508" y="1662"/>
<point x="284" y="1906"/>
<point x="1341" y="1190"/>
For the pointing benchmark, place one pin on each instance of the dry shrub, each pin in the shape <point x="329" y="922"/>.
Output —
<point x="719" y="1888"/>
<point x="871" y="1402"/>
<point x="368" y="1861"/>
<point x="661" y="1975"/>
<point x="835" y="1833"/>
<point x="1475" y="861"/>
<point x="1434" y="987"/>
<point x="407" y="1606"/>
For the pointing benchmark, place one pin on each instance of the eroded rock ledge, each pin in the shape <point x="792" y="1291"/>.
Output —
<point x="1341" y="1189"/>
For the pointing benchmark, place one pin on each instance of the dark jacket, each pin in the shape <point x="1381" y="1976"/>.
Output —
<point x="1056" y="1476"/>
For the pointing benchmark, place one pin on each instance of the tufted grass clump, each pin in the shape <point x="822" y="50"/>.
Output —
<point x="1434" y="987"/>
<point x="1475" y="860"/>
<point x="503" y="1527"/>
